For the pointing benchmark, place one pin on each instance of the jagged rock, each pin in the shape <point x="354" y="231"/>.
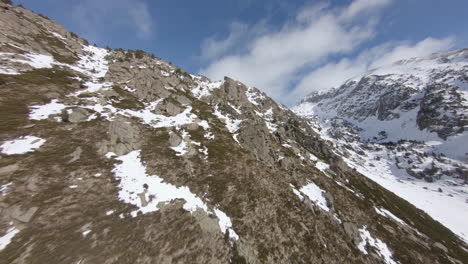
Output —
<point x="440" y="246"/>
<point x="329" y="199"/>
<point x="438" y="112"/>
<point x="28" y="126"/>
<point x="7" y="170"/>
<point x="352" y="231"/>
<point x="256" y="140"/>
<point x="168" y="108"/>
<point x="183" y="100"/>
<point x="174" y="139"/>
<point x="124" y="137"/>
<point x="192" y="126"/>
<point x="247" y="252"/>
<point x="78" y="115"/>
<point x="234" y="90"/>
<point x="148" y="88"/>
<point x="142" y="197"/>
<point x="208" y="223"/>
<point x="24" y="215"/>
<point x="75" y="155"/>
<point x="32" y="183"/>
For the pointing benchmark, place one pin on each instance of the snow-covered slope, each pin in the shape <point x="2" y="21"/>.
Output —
<point x="405" y="126"/>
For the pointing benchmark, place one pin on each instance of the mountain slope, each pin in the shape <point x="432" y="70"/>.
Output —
<point x="115" y="156"/>
<point x="405" y="126"/>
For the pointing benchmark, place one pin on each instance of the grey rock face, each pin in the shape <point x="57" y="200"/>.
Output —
<point x="442" y="112"/>
<point x="75" y="155"/>
<point x="174" y="139"/>
<point x="255" y="139"/>
<point x="78" y="115"/>
<point x="7" y="170"/>
<point x="352" y="231"/>
<point x="24" y="215"/>
<point x="124" y="137"/>
<point x="168" y="108"/>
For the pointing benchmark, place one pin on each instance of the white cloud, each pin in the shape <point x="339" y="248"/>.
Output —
<point x="212" y="48"/>
<point x="361" y="6"/>
<point x="95" y="18"/>
<point x="405" y="50"/>
<point x="334" y="74"/>
<point x="273" y="60"/>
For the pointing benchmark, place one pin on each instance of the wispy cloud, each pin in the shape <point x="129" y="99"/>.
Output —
<point x="362" y="6"/>
<point x="333" y="74"/>
<point x="276" y="58"/>
<point x="212" y="48"/>
<point x="96" y="18"/>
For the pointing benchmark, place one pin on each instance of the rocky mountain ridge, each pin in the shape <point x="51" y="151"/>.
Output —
<point x="116" y="156"/>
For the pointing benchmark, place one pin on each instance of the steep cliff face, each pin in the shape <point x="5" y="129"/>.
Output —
<point x="405" y="126"/>
<point x="415" y="99"/>
<point x="116" y="156"/>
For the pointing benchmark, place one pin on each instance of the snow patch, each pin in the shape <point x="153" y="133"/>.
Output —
<point x="133" y="180"/>
<point x="40" y="112"/>
<point x="381" y="247"/>
<point x="205" y="88"/>
<point x="4" y="188"/>
<point x="225" y="224"/>
<point x="22" y="145"/>
<point x="35" y="60"/>
<point x="57" y="35"/>
<point x="182" y="148"/>
<point x="85" y="233"/>
<point x="253" y="96"/>
<point x="268" y="118"/>
<point x="204" y="124"/>
<point x="6" y="239"/>
<point x="231" y="124"/>
<point x="322" y="166"/>
<point x="296" y="192"/>
<point x="316" y="195"/>
<point x="389" y="214"/>
<point x="132" y="174"/>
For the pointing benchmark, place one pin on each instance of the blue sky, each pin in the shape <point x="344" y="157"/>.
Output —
<point x="285" y="48"/>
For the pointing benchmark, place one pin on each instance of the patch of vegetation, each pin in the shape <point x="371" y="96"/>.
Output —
<point x="129" y="101"/>
<point x="85" y="95"/>
<point x="17" y="40"/>
<point x="43" y="16"/>
<point x="53" y="43"/>
<point x="13" y="114"/>
<point x="139" y="54"/>
<point x="20" y="91"/>
<point x="41" y="76"/>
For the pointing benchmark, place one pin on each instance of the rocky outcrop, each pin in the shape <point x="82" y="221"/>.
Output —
<point x="24" y="215"/>
<point x="443" y="111"/>
<point x="78" y="115"/>
<point x="123" y="137"/>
